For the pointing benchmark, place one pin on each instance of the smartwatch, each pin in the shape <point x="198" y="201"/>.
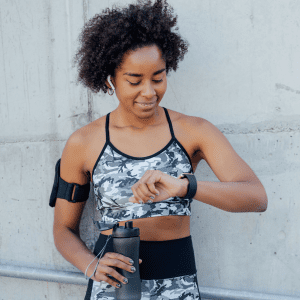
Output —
<point x="192" y="186"/>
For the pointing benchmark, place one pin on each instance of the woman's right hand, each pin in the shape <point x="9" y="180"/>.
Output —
<point x="107" y="265"/>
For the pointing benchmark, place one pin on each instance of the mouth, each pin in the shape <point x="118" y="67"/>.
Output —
<point x="146" y="104"/>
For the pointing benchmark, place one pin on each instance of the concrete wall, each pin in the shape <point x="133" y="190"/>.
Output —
<point x="241" y="73"/>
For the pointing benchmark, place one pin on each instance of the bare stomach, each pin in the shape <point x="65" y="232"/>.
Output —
<point x="160" y="228"/>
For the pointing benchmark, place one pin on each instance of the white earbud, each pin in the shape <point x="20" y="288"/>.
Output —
<point x="112" y="86"/>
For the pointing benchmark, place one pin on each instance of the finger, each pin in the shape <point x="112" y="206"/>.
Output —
<point x="117" y="260"/>
<point x="102" y="277"/>
<point x="140" y="261"/>
<point x="152" y="189"/>
<point x="121" y="265"/>
<point x="155" y="177"/>
<point x="141" y="192"/>
<point x="145" y="193"/>
<point x="137" y="198"/>
<point x="119" y="256"/>
<point x="132" y="199"/>
<point x="112" y="272"/>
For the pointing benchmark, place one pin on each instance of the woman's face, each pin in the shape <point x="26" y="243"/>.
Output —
<point x="141" y="81"/>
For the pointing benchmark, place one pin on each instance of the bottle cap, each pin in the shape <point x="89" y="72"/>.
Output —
<point x="126" y="231"/>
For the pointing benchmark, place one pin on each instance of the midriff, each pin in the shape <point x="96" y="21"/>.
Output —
<point x="160" y="228"/>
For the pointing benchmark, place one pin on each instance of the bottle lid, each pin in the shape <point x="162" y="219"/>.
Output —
<point x="126" y="231"/>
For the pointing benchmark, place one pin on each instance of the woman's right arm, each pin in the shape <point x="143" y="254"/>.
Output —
<point x="67" y="217"/>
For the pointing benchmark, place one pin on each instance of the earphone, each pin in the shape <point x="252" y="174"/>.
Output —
<point x="112" y="86"/>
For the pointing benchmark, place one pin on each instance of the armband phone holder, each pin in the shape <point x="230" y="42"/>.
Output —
<point x="64" y="190"/>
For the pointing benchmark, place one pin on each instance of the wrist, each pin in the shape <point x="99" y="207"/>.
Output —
<point x="192" y="185"/>
<point x="183" y="187"/>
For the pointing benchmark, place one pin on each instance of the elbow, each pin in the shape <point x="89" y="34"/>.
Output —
<point x="59" y="234"/>
<point x="56" y="236"/>
<point x="262" y="203"/>
<point x="261" y="199"/>
<point x="262" y="207"/>
<point x="255" y="205"/>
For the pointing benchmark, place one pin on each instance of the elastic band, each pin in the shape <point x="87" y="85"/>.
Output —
<point x="176" y="256"/>
<point x="100" y="253"/>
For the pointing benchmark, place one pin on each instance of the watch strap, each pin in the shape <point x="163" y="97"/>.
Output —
<point x="192" y="186"/>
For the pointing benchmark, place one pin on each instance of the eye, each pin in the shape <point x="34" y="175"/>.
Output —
<point x="134" y="83"/>
<point x="137" y="83"/>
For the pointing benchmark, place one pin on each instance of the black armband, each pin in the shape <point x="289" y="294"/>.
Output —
<point x="64" y="190"/>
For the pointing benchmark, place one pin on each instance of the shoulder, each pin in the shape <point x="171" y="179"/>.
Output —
<point x="80" y="145"/>
<point x="85" y="135"/>
<point x="200" y="130"/>
<point x="185" y="119"/>
<point x="192" y="124"/>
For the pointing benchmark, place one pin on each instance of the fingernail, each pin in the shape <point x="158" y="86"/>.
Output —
<point x="133" y="269"/>
<point x="141" y="202"/>
<point x="156" y="194"/>
<point x="131" y="261"/>
<point x="149" y="201"/>
<point x="118" y="285"/>
<point x="151" y="197"/>
<point x="125" y="280"/>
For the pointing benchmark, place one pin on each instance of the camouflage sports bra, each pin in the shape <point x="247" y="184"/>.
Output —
<point x="115" y="172"/>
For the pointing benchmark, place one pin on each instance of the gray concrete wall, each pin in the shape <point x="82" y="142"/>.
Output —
<point x="241" y="73"/>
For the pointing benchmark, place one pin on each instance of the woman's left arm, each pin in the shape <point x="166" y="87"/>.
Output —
<point x="239" y="189"/>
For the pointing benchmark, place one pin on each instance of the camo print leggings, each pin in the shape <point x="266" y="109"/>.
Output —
<point x="168" y="271"/>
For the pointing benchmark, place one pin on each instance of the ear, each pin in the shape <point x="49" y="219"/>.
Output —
<point x="109" y="82"/>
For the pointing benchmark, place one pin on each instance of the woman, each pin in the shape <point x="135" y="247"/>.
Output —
<point x="135" y="155"/>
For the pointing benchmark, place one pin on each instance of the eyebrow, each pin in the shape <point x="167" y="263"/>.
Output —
<point x="140" y="75"/>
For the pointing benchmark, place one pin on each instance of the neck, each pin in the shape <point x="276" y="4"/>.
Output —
<point x="126" y="118"/>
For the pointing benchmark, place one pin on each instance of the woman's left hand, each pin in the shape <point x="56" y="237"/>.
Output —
<point x="157" y="186"/>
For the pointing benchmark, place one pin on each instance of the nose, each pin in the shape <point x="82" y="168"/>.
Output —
<point x="147" y="90"/>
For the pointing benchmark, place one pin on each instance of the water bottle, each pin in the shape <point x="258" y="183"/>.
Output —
<point x="126" y="241"/>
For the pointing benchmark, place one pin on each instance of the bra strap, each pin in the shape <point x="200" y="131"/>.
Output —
<point x="106" y="127"/>
<point x="170" y="123"/>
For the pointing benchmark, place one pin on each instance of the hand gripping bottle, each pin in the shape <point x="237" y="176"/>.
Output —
<point x="126" y="241"/>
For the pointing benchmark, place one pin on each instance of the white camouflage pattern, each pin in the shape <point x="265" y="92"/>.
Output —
<point x="115" y="174"/>
<point x="179" y="288"/>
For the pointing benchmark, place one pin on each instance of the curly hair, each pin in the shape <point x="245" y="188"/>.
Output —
<point x="108" y="36"/>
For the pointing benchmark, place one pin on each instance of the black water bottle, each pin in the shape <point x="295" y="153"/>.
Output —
<point x="126" y="241"/>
